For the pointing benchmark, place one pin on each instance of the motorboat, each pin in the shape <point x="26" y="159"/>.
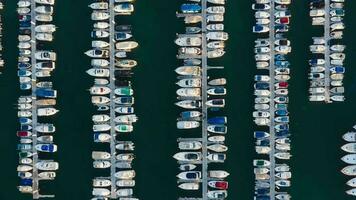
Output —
<point x="47" y="165"/>
<point x="189" y="92"/>
<point x="260" y="29"/>
<point x="213" y="35"/>
<point x="262" y="100"/>
<point x="123" y="128"/>
<point x="97" y="53"/>
<point x="351" y="192"/>
<point x="102" y="137"/>
<point x="126" y="183"/>
<point x="189" y="104"/>
<point x="188" y="70"/>
<point x="218" y="129"/>
<point x="187" y="124"/>
<point x="349" y="147"/>
<point x="258" y="114"/>
<point x="100" y="118"/>
<point x="283" y="183"/>
<point x="100" y="34"/>
<point x="349" y="159"/>
<point x="125" y="146"/>
<point x="100" y="15"/>
<point x="24" y="168"/>
<point x="101" y="25"/>
<point x="50" y="148"/>
<point x="131" y="118"/>
<point x="220" y="174"/>
<point x="218" y="148"/>
<point x="216" y="103"/>
<point x="215" y="18"/>
<point x="99" y="6"/>
<point x="124" y="110"/>
<point x="216" y="157"/>
<point x="124" y="8"/>
<point x="96" y="72"/>
<point x="45" y="139"/>
<point x="101" y="127"/>
<point x="101" y="192"/>
<point x="188" y="156"/>
<point x="187" y="167"/>
<point x="101" y="164"/>
<point x="282" y="168"/>
<point x="217" y="82"/>
<point x="221" y="185"/>
<point x="100" y="155"/>
<point x="44" y="18"/>
<point x="189" y="51"/>
<point x="45" y="28"/>
<point x="189" y="175"/>
<point x="262" y="15"/>
<point x="338" y="98"/>
<point x="261" y="134"/>
<point x="126" y="45"/>
<point x="124" y="192"/>
<point x="99" y="44"/>
<point x="46" y="9"/>
<point x="262" y="121"/>
<point x="215" y="27"/>
<point x="46" y="55"/>
<point x="126" y="63"/>
<point x="45" y="128"/>
<point x="216" y="138"/>
<point x="189" y="82"/>
<point x="101" y="182"/>
<point x="189" y="186"/>
<point x="100" y="100"/>
<point x="46" y="111"/>
<point x="189" y="145"/>
<point x="261" y="163"/>
<point x="351" y="182"/>
<point x="189" y="41"/>
<point x="125" y="174"/>
<point x="260" y="107"/>
<point x="217" y="194"/>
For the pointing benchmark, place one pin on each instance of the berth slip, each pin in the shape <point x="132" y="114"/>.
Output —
<point x="327" y="63"/>
<point x="350" y="159"/>
<point x="37" y="103"/>
<point x="272" y="172"/>
<point x="201" y="95"/>
<point x="112" y="67"/>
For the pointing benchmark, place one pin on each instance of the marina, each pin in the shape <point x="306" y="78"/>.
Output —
<point x="326" y="67"/>
<point x="112" y="95"/>
<point x="35" y="141"/>
<point x="316" y="132"/>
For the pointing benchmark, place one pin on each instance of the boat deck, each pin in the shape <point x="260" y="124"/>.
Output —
<point x="112" y="97"/>
<point x="272" y="38"/>
<point x="327" y="51"/>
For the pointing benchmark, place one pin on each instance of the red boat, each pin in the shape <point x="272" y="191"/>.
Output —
<point x="24" y="133"/>
<point x="221" y="185"/>
<point x="281" y="85"/>
<point x="283" y="20"/>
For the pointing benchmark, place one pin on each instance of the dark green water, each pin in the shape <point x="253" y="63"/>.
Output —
<point x="317" y="129"/>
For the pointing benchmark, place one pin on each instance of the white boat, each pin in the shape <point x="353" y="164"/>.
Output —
<point x="189" y="186"/>
<point x="217" y="36"/>
<point x="96" y="53"/>
<point x="101" y="164"/>
<point x="349" y="159"/>
<point x="46" y="128"/>
<point x="215" y="18"/>
<point x="262" y="21"/>
<point x="99" y="5"/>
<point x="189" y="82"/>
<point x="216" y="45"/>
<point x="123" y="128"/>
<point x="127" y="45"/>
<point x="188" y="156"/>
<point x="216" y="157"/>
<point x="262" y="57"/>
<point x="124" y="192"/>
<point x="283" y="183"/>
<point x="189" y="41"/>
<point x="216" y="138"/>
<point x="189" y="104"/>
<point x="189" y="175"/>
<point x="22" y="4"/>
<point x="218" y="148"/>
<point x="220" y="174"/>
<point x="125" y="174"/>
<point x="262" y="121"/>
<point x="126" y="63"/>
<point x="44" y="10"/>
<point x="216" y="9"/>
<point x="100" y="118"/>
<point x="349" y="147"/>
<point x="283" y="49"/>
<point x="125" y="183"/>
<point x="102" y="137"/>
<point x="45" y="2"/>
<point x="351" y="182"/>
<point x="282" y="168"/>
<point x="46" y="111"/>
<point x="99" y="90"/>
<point x="24" y="168"/>
<point x="101" y="192"/>
<point x="261" y="163"/>
<point x="101" y="182"/>
<point x="99" y="44"/>
<point x="99" y="15"/>
<point x="98" y="72"/>
<point x="216" y="53"/>
<point x="261" y="170"/>
<point x="47" y="175"/>
<point x="283" y="155"/>
<point x="351" y="192"/>
<point x="337" y="98"/>
<point x="100" y="34"/>
<point x="262" y="15"/>
<point x="217" y="194"/>
<point x="338" y="48"/>
<point x="217" y="82"/>
<point x="189" y="145"/>
<point x="47" y="165"/>
<point x="188" y="70"/>
<point x="46" y="55"/>
<point x="44" y="18"/>
<point x="44" y="37"/>
<point x="101" y="25"/>
<point x="101" y="127"/>
<point x="45" y="28"/>
<point x="187" y="124"/>
<point x="187" y="167"/>
<point x="317" y="98"/>
<point x="215" y="27"/>
<point x="100" y="155"/>
<point x="100" y="62"/>
<point x="124" y="9"/>
<point x="25" y="189"/>
<point x="349" y="170"/>
<point x="189" y="92"/>
<point x="219" y="2"/>
<point x="284" y="175"/>
<point x="126" y="118"/>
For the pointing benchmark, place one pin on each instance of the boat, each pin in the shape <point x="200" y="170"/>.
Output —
<point x="260" y="29"/>
<point x="216" y="157"/>
<point x="218" y="129"/>
<point x="351" y="192"/>
<point x="126" y="63"/>
<point x="101" y="192"/>
<point x="188" y="156"/>
<point x="45" y="139"/>
<point x="216" y="103"/>
<point x="46" y="9"/>
<point x="125" y="183"/>
<point x="46" y="55"/>
<point x="102" y="137"/>
<point x="261" y="134"/>
<point x="189" y="92"/>
<point x="123" y="128"/>
<point x="189" y="186"/>
<point x="96" y="72"/>
<point x="188" y="70"/>
<point x="46" y="111"/>
<point x="215" y="27"/>
<point x="127" y="45"/>
<point x="221" y="185"/>
<point x="189" y="175"/>
<point x="317" y="98"/>
<point x="187" y="124"/>
<point x="216" y="138"/>
<point x="25" y="189"/>
<point x="189" y="145"/>
<point x="217" y="194"/>
<point x="45" y="128"/>
<point x="125" y="174"/>
<point x="125" y="146"/>
<point x="349" y="159"/>
<point x="100" y="34"/>
<point x="283" y="155"/>
<point x="189" y="41"/>
<point x="220" y="174"/>
<point x="349" y="170"/>
<point x="47" y="175"/>
<point x="283" y="183"/>
<point x="213" y="35"/>
<point x="101" y="164"/>
<point x="217" y="91"/>
<point x="100" y="155"/>
<point x="124" y="110"/>
<point x="124" y="9"/>
<point x="261" y="163"/>
<point x="284" y="175"/>
<point x="124" y="192"/>
<point x="24" y="168"/>
<point x="187" y="167"/>
<point x="97" y="53"/>
<point x="216" y="45"/>
<point x="192" y="19"/>
<point x="217" y="82"/>
<point x="189" y="82"/>
<point x="337" y="98"/>
<point x="261" y="107"/>
<point x="99" y="6"/>
<point x="47" y="165"/>
<point x="50" y="148"/>
<point x="217" y="148"/>
<point x="349" y="147"/>
<point x="126" y="118"/>
<point x="351" y="182"/>
<point x="100" y="118"/>
<point x="45" y="28"/>
<point x="189" y="104"/>
<point x="101" y="182"/>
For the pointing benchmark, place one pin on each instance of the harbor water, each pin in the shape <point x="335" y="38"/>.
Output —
<point x="316" y="128"/>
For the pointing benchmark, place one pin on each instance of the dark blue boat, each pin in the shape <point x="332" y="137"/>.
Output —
<point x="24" y="120"/>
<point x="284" y="133"/>
<point x="261" y="85"/>
<point x="280" y="63"/>
<point x="190" y="8"/>
<point x="26" y="182"/>
<point x="25" y="127"/>
<point x="338" y="69"/>
<point x="217" y="120"/>
<point x="48" y="93"/>
<point x="25" y="86"/>
<point x="23" y="65"/>
<point x="282" y="112"/>
<point x="260" y="134"/>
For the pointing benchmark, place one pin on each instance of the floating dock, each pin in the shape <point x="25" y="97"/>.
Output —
<point x="327" y="51"/>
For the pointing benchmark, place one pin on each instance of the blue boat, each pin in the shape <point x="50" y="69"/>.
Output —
<point x="260" y="134"/>
<point x="217" y="120"/>
<point x="25" y="127"/>
<point x="25" y="86"/>
<point x="261" y="85"/>
<point x="281" y="106"/>
<point x="24" y="120"/>
<point x="46" y="148"/>
<point x="263" y="143"/>
<point x="24" y="147"/>
<point x="23" y="66"/>
<point x="189" y="114"/>
<point x="23" y="73"/>
<point x="338" y="69"/>
<point x="282" y="133"/>
<point x="262" y="198"/>
<point x="47" y="93"/>
<point x="219" y="129"/>
<point x="281" y="28"/>
<point x="262" y="191"/>
<point x="280" y="57"/>
<point x="282" y="64"/>
<point x="281" y="112"/>
<point x="26" y="182"/>
<point x="282" y="127"/>
<point x="190" y="8"/>
<point x="282" y="119"/>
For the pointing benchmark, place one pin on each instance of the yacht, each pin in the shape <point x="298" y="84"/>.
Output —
<point x="125" y="183"/>
<point x="283" y="183"/>
<point x="187" y="124"/>
<point x="215" y="27"/>
<point x="216" y="157"/>
<point x="124" y="110"/>
<point x="24" y="168"/>
<point x="46" y="9"/>
<point x="46" y="111"/>
<point x="101" y="164"/>
<point x="125" y="46"/>
<point x="216" y="45"/>
<point x="123" y="128"/>
<point x="189" y="41"/>
<point x="45" y="139"/>
<point x="216" y="138"/>
<point x="216" y="53"/>
<point x="46" y="55"/>
<point x="99" y="44"/>
<point x="218" y="148"/>
<point x="101" y="25"/>
<point x="102" y="137"/>
<point x="189" y="145"/>
<point x="189" y="186"/>
<point x="47" y="165"/>
<point x="188" y="70"/>
<point x="124" y="9"/>
<point x="188" y="156"/>
<point x="223" y="36"/>
<point x="349" y="159"/>
<point x="44" y="37"/>
<point x="220" y="174"/>
<point x="125" y="174"/>
<point x="100" y="34"/>
<point x="47" y="175"/>
<point x="50" y="148"/>
<point x="99" y="15"/>
<point x="96" y="53"/>
<point x="100" y="118"/>
<point x="99" y="63"/>
<point x="189" y="175"/>
<point x="189" y="92"/>
<point x="189" y="82"/>
<point x="217" y="194"/>
<point x="101" y="182"/>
